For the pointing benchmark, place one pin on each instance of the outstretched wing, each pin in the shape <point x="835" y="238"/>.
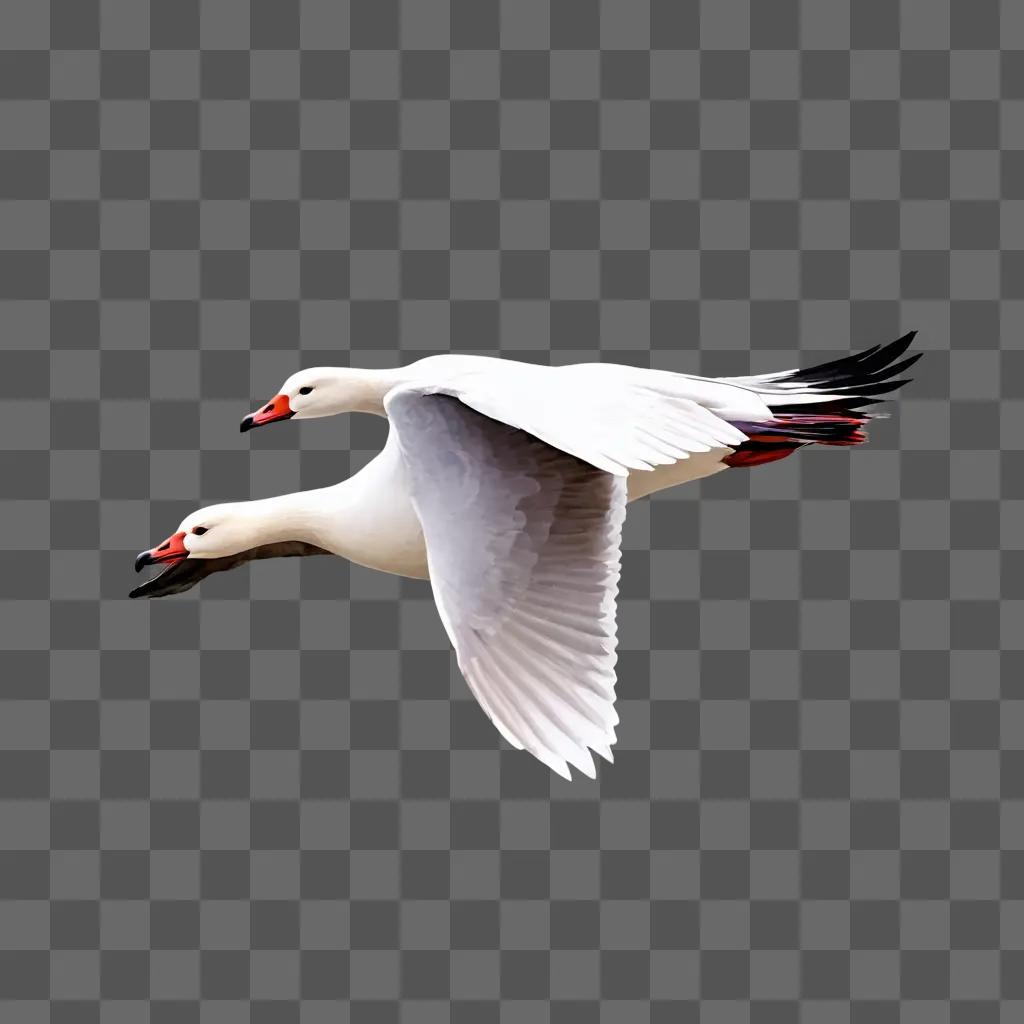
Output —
<point x="523" y="550"/>
<point x="616" y="418"/>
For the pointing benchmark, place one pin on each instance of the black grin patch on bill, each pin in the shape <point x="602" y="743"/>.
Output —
<point x="180" y="576"/>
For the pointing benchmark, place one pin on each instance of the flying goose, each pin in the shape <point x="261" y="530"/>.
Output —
<point x="506" y="485"/>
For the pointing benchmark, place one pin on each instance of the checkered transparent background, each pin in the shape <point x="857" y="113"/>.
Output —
<point x="272" y="799"/>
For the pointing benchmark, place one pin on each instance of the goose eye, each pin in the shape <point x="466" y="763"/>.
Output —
<point x="305" y="391"/>
<point x="200" y="530"/>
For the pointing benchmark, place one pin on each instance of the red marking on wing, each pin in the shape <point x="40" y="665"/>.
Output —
<point x="854" y="437"/>
<point x="768" y="442"/>
<point x="761" y="451"/>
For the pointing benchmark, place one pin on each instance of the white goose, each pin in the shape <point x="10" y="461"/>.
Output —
<point x="506" y="484"/>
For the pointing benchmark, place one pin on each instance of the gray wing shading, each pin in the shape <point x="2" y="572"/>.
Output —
<point x="523" y="548"/>
<point x="184" y="575"/>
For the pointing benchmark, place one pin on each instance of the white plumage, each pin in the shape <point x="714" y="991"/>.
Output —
<point x="506" y="484"/>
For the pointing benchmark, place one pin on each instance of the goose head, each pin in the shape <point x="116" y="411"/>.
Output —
<point x="214" y="532"/>
<point x="323" y="391"/>
<point x="223" y="536"/>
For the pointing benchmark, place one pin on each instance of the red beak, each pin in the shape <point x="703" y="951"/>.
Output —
<point x="172" y="550"/>
<point x="276" y="409"/>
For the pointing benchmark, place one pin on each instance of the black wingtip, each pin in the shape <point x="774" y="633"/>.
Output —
<point x="871" y="366"/>
<point x="887" y="354"/>
<point x="898" y="368"/>
<point x="857" y="379"/>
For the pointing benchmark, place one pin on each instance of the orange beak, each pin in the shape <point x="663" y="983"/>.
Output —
<point x="276" y="409"/>
<point x="172" y="550"/>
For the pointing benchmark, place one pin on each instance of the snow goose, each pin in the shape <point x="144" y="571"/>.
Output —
<point x="510" y="482"/>
<point x="772" y="414"/>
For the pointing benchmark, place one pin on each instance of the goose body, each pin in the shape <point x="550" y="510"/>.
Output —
<point x="506" y="485"/>
<point x="372" y="521"/>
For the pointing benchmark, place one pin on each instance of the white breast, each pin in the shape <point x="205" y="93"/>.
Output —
<point x="370" y="519"/>
<point x="698" y="465"/>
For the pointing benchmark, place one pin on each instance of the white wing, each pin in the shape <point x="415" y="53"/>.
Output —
<point x="523" y="549"/>
<point x="614" y="417"/>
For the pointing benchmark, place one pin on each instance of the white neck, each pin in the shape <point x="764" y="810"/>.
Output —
<point x="368" y="518"/>
<point x="365" y="389"/>
<point x="297" y="516"/>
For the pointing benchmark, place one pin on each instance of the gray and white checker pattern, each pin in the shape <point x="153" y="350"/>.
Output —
<point x="272" y="800"/>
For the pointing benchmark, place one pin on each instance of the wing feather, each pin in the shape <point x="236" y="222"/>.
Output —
<point x="615" y="418"/>
<point x="523" y="549"/>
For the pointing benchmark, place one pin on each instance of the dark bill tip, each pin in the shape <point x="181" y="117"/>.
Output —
<point x="171" y="578"/>
<point x="247" y="424"/>
<point x="143" y="559"/>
